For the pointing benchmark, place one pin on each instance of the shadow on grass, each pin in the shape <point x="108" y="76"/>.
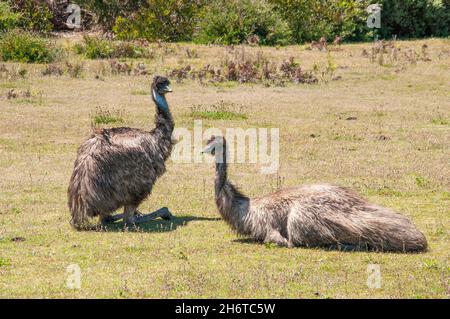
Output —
<point x="341" y="248"/>
<point x="157" y="225"/>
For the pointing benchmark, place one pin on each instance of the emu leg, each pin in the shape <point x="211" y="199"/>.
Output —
<point x="164" y="213"/>
<point x="274" y="236"/>
<point x="129" y="214"/>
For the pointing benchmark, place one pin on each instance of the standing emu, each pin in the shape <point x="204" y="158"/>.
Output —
<point x="311" y="215"/>
<point x="118" y="166"/>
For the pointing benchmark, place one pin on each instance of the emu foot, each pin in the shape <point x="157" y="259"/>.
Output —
<point x="275" y="237"/>
<point x="117" y="217"/>
<point x="105" y="220"/>
<point x="164" y="213"/>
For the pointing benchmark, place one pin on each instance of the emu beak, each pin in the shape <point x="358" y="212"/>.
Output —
<point x="166" y="89"/>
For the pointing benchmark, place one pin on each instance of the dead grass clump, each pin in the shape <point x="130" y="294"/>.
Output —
<point x="240" y="66"/>
<point x="11" y="94"/>
<point x="120" y="67"/>
<point x="388" y="53"/>
<point x="292" y="71"/>
<point x="140" y="69"/>
<point x="124" y="68"/>
<point x="180" y="74"/>
<point x="25" y="96"/>
<point x="253" y="40"/>
<point x="320" y="45"/>
<point x="14" y="72"/>
<point x="191" y="53"/>
<point x="53" y="69"/>
<point x="75" y="70"/>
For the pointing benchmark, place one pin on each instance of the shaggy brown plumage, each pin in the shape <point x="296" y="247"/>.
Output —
<point x="312" y="215"/>
<point x="118" y="167"/>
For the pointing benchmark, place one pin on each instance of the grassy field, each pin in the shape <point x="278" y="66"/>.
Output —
<point x="380" y="127"/>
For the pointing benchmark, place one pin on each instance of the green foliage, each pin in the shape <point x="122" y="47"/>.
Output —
<point x="234" y="22"/>
<point x="8" y="19"/>
<point x="108" y="11"/>
<point x="26" y="47"/>
<point x="272" y="21"/>
<point x="310" y="19"/>
<point x="94" y="47"/>
<point x="34" y="15"/>
<point x="167" y="20"/>
<point x="415" y="18"/>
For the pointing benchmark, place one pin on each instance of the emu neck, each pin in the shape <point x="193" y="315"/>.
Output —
<point x="221" y="177"/>
<point x="163" y="125"/>
<point x="230" y="202"/>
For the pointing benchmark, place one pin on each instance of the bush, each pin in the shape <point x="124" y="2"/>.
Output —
<point x="35" y="15"/>
<point x="415" y="18"/>
<point x="8" y="19"/>
<point x="108" y="11"/>
<point x="26" y="47"/>
<point x="94" y="47"/>
<point x="310" y="19"/>
<point x="167" y="20"/>
<point x="234" y="22"/>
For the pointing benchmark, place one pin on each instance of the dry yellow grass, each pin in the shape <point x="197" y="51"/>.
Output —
<point x="396" y="153"/>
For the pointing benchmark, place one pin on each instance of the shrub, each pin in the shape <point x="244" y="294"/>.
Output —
<point x="94" y="47"/>
<point x="108" y="11"/>
<point x="310" y="19"/>
<point x="34" y="15"/>
<point x="234" y="22"/>
<point x="415" y="18"/>
<point x="167" y="20"/>
<point x="8" y="19"/>
<point x="26" y="47"/>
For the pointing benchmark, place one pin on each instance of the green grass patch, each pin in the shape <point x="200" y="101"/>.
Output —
<point x="421" y="181"/>
<point x="106" y="116"/>
<point x="140" y="92"/>
<point x="219" y="115"/>
<point x="386" y="191"/>
<point x="440" y="121"/>
<point x="4" y="262"/>
<point x="219" y="111"/>
<point x="344" y="137"/>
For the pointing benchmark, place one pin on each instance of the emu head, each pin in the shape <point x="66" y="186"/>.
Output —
<point x="160" y="87"/>
<point x="215" y="145"/>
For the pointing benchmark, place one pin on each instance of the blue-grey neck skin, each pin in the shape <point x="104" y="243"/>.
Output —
<point x="160" y="101"/>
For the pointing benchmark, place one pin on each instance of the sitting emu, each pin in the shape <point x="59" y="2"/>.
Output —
<point x="311" y="215"/>
<point x="118" y="166"/>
